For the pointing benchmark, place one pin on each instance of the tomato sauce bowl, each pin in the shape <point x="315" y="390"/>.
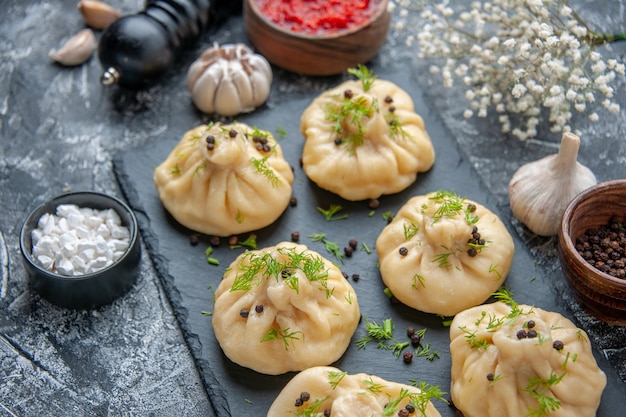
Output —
<point x="317" y="38"/>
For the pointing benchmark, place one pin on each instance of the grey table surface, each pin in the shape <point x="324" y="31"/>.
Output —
<point x="59" y="131"/>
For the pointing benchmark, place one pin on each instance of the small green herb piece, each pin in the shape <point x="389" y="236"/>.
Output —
<point x="263" y="168"/>
<point x="410" y="230"/>
<point x="283" y="334"/>
<point x="371" y="213"/>
<point x="200" y="167"/>
<point x="175" y="170"/>
<point x="418" y="281"/>
<point x="249" y="242"/>
<point x="313" y="408"/>
<point x="365" y="248"/>
<point x="428" y="393"/>
<point x="208" y="252"/>
<point x="281" y="132"/>
<point x="538" y="389"/>
<point x="331" y="247"/>
<point x="387" y="215"/>
<point x="388" y="293"/>
<point x="383" y="333"/>
<point x="395" y="126"/>
<point x="449" y="205"/>
<point x="364" y="74"/>
<point x="372" y="386"/>
<point x="426" y="351"/>
<point x="442" y="259"/>
<point x="206" y="313"/>
<point x="329" y="214"/>
<point x="473" y="340"/>
<point x="335" y="377"/>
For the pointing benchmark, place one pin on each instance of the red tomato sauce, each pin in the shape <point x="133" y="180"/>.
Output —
<point x="318" y="16"/>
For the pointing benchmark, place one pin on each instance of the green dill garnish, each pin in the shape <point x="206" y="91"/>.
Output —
<point x="410" y="230"/>
<point x="200" y="167"/>
<point x="281" y="132"/>
<point x="427" y="394"/>
<point x="373" y="387"/>
<point x="249" y="242"/>
<point x="331" y="247"/>
<point x="335" y="377"/>
<point x="208" y="252"/>
<point x="395" y="127"/>
<point x="442" y="259"/>
<point x="263" y="168"/>
<point x="493" y="268"/>
<point x="175" y="170"/>
<point x="538" y="388"/>
<point x="206" y="313"/>
<point x="418" y="281"/>
<point x="239" y="217"/>
<point x="388" y="293"/>
<point x="581" y="336"/>
<point x="387" y="215"/>
<point x="383" y="334"/>
<point x="283" y="334"/>
<point x="449" y="205"/>
<point x="364" y="74"/>
<point x="426" y="351"/>
<point x="371" y="213"/>
<point x="365" y="248"/>
<point x="473" y="340"/>
<point x="351" y="111"/>
<point x="312" y="409"/>
<point x="329" y="214"/>
<point x="258" y="133"/>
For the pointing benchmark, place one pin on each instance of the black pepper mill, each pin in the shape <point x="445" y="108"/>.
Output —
<point x="136" y="50"/>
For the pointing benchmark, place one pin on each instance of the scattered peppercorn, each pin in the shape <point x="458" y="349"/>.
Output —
<point x="353" y="243"/>
<point x="472" y="252"/>
<point x="348" y="251"/>
<point x="210" y="146"/>
<point x="471" y="207"/>
<point x="531" y="334"/>
<point x="345" y="275"/>
<point x="305" y="396"/>
<point x="388" y="99"/>
<point x="327" y="412"/>
<point x="392" y="109"/>
<point x="416" y="340"/>
<point x="298" y="402"/>
<point x="293" y="202"/>
<point x="356" y="277"/>
<point x="558" y="345"/>
<point x="403" y="251"/>
<point x="295" y="236"/>
<point x="194" y="240"/>
<point x="348" y="93"/>
<point x="233" y="240"/>
<point x="407" y="356"/>
<point x="258" y="308"/>
<point x="374" y="203"/>
<point x="410" y="408"/>
<point x="244" y="313"/>
<point x="410" y="331"/>
<point x="530" y="324"/>
<point x="604" y="247"/>
<point x="338" y="141"/>
<point x="521" y="334"/>
<point x="403" y="412"/>
<point x="232" y="133"/>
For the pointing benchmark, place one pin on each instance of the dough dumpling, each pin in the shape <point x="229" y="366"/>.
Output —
<point x="443" y="253"/>
<point x="518" y="355"/>
<point x="348" y="396"/>
<point x="225" y="179"/>
<point x="284" y="308"/>
<point x="363" y="144"/>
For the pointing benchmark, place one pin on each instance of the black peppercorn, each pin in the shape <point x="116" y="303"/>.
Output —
<point x="194" y="240"/>
<point x="356" y="277"/>
<point x="374" y="203"/>
<point x="407" y="356"/>
<point x="348" y="93"/>
<point x="353" y="243"/>
<point x="521" y="334"/>
<point x="403" y="251"/>
<point x="558" y="345"/>
<point x="531" y="334"/>
<point x="490" y="377"/>
<point x="298" y="402"/>
<point x="244" y="313"/>
<point x="258" y="308"/>
<point x="403" y="413"/>
<point x="232" y="133"/>
<point x="295" y="236"/>
<point x="293" y="202"/>
<point x="348" y="251"/>
<point x="305" y="396"/>
<point x="338" y="141"/>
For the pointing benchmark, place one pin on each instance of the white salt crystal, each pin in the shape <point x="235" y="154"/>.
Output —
<point x="46" y="261"/>
<point x="64" y="267"/>
<point x="103" y="231"/>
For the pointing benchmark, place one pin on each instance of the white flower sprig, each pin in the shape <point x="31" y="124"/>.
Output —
<point x="524" y="58"/>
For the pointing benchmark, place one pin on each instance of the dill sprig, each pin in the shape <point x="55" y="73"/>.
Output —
<point x="330" y="213"/>
<point x="249" y="242"/>
<point x="373" y="387"/>
<point x="473" y="340"/>
<point x="352" y="111"/>
<point x="383" y="334"/>
<point x="330" y="246"/>
<point x="364" y="74"/>
<point x="263" y="168"/>
<point x="410" y="229"/>
<point x="538" y="388"/>
<point x="335" y="377"/>
<point x="312" y="409"/>
<point x="285" y="335"/>
<point x="449" y="205"/>
<point x="427" y="394"/>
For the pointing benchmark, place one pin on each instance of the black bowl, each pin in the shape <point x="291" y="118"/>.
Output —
<point x="89" y="290"/>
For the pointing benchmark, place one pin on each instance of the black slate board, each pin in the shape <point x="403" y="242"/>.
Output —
<point x="189" y="279"/>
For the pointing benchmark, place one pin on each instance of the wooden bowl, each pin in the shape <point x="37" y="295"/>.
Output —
<point x="601" y="294"/>
<point x="318" y="54"/>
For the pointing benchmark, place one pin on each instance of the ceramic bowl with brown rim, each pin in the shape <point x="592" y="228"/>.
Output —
<point x="594" y="221"/>
<point x="314" y="45"/>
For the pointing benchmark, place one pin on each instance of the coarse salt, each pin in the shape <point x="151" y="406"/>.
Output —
<point x="78" y="241"/>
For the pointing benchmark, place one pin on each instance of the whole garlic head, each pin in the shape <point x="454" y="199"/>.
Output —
<point x="229" y="80"/>
<point x="540" y="191"/>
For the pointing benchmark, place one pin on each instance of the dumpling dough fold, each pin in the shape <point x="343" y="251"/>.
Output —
<point x="517" y="356"/>
<point x="348" y="395"/>
<point x="237" y="183"/>
<point x="365" y="145"/>
<point x="284" y="308"/>
<point x="425" y="251"/>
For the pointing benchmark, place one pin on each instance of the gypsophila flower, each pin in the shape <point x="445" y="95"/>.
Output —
<point x="525" y="59"/>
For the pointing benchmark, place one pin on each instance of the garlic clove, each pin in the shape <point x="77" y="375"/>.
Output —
<point x="97" y="15"/>
<point x="77" y="50"/>
<point x="540" y="191"/>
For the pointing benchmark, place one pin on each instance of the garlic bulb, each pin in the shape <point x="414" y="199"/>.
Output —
<point x="540" y="191"/>
<point x="229" y="80"/>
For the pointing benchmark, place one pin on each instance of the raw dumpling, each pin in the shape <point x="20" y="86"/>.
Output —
<point x="225" y="179"/>
<point x="284" y="308"/>
<point x="525" y="360"/>
<point x="322" y="388"/>
<point x="364" y="141"/>
<point x="442" y="253"/>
